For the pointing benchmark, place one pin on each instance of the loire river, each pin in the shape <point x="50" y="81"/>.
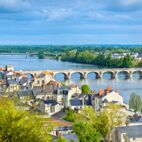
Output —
<point x="20" y="62"/>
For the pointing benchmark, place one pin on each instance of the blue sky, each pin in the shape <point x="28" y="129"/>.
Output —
<point x="70" y="22"/>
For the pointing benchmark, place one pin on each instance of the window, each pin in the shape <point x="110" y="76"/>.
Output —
<point x="38" y="82"/>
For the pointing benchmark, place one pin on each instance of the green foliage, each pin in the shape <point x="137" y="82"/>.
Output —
<point x="101" y="59"/>
<point x="90" y="127"/>
<point x="135" y="102"/>
<point x="111" y="116"/>
<point x="102" y="124"/>
<point x="65" y="48"/>
<point x="85" y="89"/>
<point x="84" y="126"/>
<point x="127" y="62"/>
<point x="139" y="64"/>
<point x="63" y="84"/>
<point x="86" y="132"/>
<point x="70" y="115"/>
<point x="41" y="55"/>
<point x="61" y="140"/>
<point x="21" y="126"/>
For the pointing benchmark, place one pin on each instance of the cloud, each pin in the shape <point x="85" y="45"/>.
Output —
<point x="55" y="17"/>
<point x="56" y="13"/>
<point x="13" y="5"/>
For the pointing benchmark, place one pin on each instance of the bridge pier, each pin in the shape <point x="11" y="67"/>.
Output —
<point x="68" y="76"/>
<point x="84" y="75"/>
<point x="116" y="75"/>
<point x="113" y="76"/>
<point x="98" y="76"/>
<point x="101" y="75"/>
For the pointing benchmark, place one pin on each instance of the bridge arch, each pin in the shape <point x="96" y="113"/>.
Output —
<point x="78" y="74"/>
<point x="108" y="75"/>
<point x="95" y="75"/>
<point x="137" y="74"/>
<point x="124" y="75"/>
<point x="58" y="75"/>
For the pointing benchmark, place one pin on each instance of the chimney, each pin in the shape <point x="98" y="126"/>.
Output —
<point x="101" y="92"/>
<point x="109" y="88"/>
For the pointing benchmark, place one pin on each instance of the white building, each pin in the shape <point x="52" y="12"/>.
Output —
<point x="68" y="93"/>
<point x="9" y="68"/>
<point x="49" y="107"/>
<point x="42" y="79"/>
<point x="101" y="100"/>
<point x="113" y="97"/>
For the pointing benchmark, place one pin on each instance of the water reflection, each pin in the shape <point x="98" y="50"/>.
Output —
<point x="137" y="75"/>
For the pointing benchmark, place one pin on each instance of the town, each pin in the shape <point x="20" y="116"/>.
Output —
<point x="42" y="94"/>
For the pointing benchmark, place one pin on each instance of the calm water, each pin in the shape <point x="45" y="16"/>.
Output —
<point x="126" y="87"/>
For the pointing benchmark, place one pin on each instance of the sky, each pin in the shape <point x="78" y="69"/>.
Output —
<point x="29" y="22"/>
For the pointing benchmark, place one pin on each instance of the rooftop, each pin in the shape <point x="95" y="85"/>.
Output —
<point x="71" y="137"/>
<point x="134" y="131"/>
<point x="52" y="102"/>
<point x="76" y="102"/>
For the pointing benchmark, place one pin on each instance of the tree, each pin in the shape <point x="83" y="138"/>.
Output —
<point x="84" y="126"/>
<point x="85" y="89"/>
<point x="21" y="126"/>
<point x="86" y="132"/>
<point x="70" y="115"/>
<point x="41" y="55"/>
<point x="111" y="116"/>
<point x="127" y="61"/>
<point x="135" y="102"/>
<point x="109" y="60"/>
<point x="61" y="140"/>
<point x="100" y="60"/>
<point x="90" y="127"/>
<point x="139" y="64"/>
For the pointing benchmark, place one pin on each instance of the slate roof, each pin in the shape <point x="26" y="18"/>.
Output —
<point x="59" y="114"/>
<point x="134" y="131"/>
<point x="12" y="82"/>
<point x="52" y="102"/>
<point x="76" y="102"/>
<point x="38" y="90"/>
<point x="23" y="80"/>
<point x="135" y="118"/>
<point x="24" y="93"/>
<point x="70" y="137"/>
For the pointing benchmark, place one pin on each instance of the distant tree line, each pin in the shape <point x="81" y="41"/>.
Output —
<point x="99" y="55"/>
<point x="66" y="48"/>
<point x="101" y="60"/>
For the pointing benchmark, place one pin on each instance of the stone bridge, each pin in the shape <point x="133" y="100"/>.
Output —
<point x="128" y="72"/>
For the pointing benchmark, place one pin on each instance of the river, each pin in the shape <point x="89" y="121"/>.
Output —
<point x="20" y="62"/>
